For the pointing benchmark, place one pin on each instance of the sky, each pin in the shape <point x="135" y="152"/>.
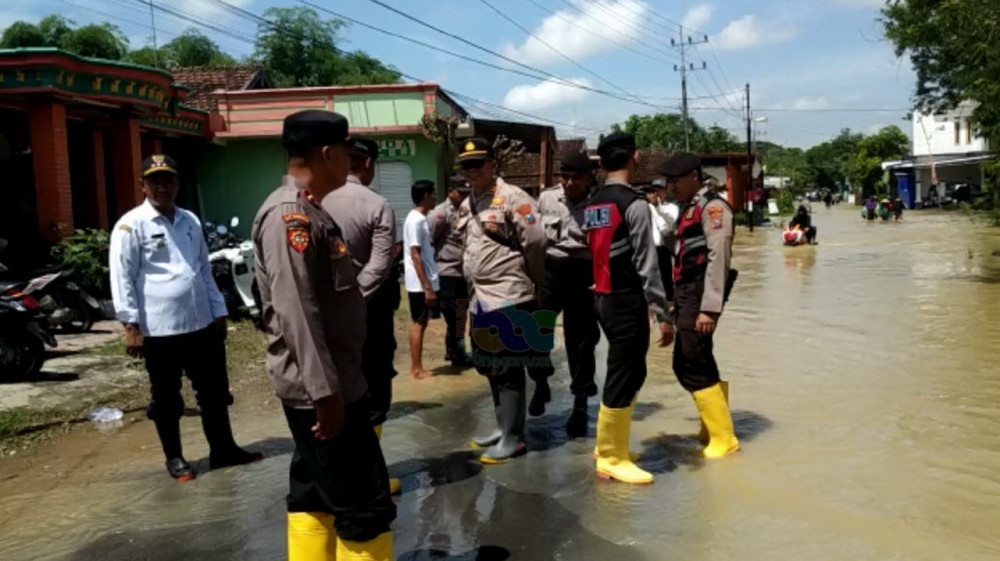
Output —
<point x="814" y="66"/>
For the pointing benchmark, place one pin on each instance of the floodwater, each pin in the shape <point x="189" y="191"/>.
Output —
<point x="865" y="390"/>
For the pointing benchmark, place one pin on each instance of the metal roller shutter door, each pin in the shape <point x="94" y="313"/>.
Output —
<point x="393" y="181"/>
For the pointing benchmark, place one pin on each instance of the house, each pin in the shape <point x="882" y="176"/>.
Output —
<point x="946" y="151"/>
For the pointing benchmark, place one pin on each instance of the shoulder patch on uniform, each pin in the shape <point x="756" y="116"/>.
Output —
<point x="716" y="213"/>
<point x="297" y="217"/>
<point x="125" y="227"/>
<point x="526" y="213"/>
<point x="598" y="216"/>
<point x="298" y="237"/>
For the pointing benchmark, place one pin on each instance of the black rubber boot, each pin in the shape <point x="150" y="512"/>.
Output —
<point x="224" y="451"/>
<point x="541" y="396"/>
<point x="510" y="413"/>
<point x="169" y="431"/>
<point x="180" y="470"/>
<point x="576" y="426"/>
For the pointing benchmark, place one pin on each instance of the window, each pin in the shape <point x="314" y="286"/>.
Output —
<point x="968" y="131"/>
<point x="958" y="132"/>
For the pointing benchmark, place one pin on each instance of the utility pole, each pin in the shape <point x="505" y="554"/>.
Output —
<point x="152" y="21"/>
<point x="746" y="194"/>
<point x="684" y="68"/>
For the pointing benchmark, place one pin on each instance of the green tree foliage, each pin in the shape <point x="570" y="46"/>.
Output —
<point x="667" y="131"/>
<point x="22" y="34"/>
<point x="146" y="56"/>
<point x="864" y="165"/>
<point x="99" y="40"/>
<point x="299" y="49"/>
<point x="192" y="48"/>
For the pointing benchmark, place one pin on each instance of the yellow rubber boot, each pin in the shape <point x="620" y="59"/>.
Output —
<point x="311" y="536"/>
<point x="395" y="485"/>
<point x="714" y="413"/>
<point x="378" y="549"/>
<point x="613" y="462"/>
<point x="703" y="434"/>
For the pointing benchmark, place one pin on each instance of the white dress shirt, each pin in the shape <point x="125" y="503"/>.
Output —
<point x="160" y="275"/>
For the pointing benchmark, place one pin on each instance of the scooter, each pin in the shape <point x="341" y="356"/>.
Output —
<point x="63" y="303"/>
<point x="233" y="267"/>
<point x="22" y="336"/>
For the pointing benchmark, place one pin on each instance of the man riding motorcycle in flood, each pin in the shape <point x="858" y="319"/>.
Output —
<point x="803" y="221"/>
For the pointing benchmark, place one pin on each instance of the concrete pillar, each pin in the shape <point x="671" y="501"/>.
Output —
<point x="126" y="147"/>
<point x="100" y="195"/>
<point x="50" y="155"/>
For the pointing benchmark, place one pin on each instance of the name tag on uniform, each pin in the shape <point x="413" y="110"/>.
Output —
<point x="597" y="217"/>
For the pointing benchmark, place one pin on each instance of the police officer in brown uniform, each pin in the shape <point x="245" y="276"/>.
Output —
<point x="702" y="278"/>
<point x="338" y="501"/>
<point x="448" y="225"/>
<point x="627" y="285"/>
<point x="504" y="260"/>
<point x="569" y="278"/>
<point x="368" y="225"/>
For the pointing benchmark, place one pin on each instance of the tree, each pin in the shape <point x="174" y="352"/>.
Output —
<point x="192" y="48"/>
<point x="146" y="56"/>
<point x="666" y="130"/>
<point x="864" y="166"/>
<point x="954" y="49"/>
<point x="299" y="49"/>
<point x="98" y="40"/>
<point x="22" y="34"/>
<point x="55" y="29"/>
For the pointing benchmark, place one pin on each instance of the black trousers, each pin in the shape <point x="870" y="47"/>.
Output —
<point x="454" y="301"/>
<point x="694" y="363"/>
<point x="625" y="321"/>
<point x="201" y="355"/>
<point x="567" y="291"/>
<point x="380" y="347"/>
<point x="344" y="476"/>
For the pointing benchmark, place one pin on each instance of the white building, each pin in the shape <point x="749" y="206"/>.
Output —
<point x="946" y="151"/>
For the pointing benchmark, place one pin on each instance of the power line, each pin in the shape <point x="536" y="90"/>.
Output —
<point x="620" y="20"/>
<point x="560" y="53"/>
<point x="613" y="42"/>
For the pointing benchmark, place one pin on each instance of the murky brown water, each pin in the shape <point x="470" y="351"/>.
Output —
<point x="865" y="390"/>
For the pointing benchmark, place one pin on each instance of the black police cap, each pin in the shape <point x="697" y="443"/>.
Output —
<point x="362" y="146"/>
<point x="158" y="163"/>
<point x="457" y="182"/>
<point x="616" y="142"/>
<point x="679" y="165"/>
<point x="314" y="127"/>
<point x="575" y="161"/>
<point x="475" y="149"/>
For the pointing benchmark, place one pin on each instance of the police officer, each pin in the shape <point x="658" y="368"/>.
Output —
<point x="448" y="235"/>
<point x="569" y="277"/>
<point x="627" y="285"/>
<point x="368" y="226"/>
<point x="174" y="315"/>
<point x="504" y="259"/>
<point x="702" y="279"/>
<point x="338" y="501"/>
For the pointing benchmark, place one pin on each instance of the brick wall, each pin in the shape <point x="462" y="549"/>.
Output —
<point x="50" y="153"/>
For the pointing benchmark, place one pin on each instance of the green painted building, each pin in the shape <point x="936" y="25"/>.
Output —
<point x="246" y="160"/>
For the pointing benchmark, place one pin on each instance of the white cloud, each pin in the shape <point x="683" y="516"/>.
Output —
<point x="749" y="32"/>
<point x="860" y="3"/>
<point x="544" y="95"/>
<point x="809" y="103"/>
<point x="201" y="8"/>
<point x="698" y="17"/>
<point x="601" y="25"/>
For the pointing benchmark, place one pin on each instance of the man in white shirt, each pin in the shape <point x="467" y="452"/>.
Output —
<point x="422" y="282"/>
<point x="664" y="214"/>
<point x="174" y="316"/>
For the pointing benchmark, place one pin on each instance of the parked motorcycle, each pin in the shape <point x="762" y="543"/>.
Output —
<point x="22" y="336"/>
<point x="233" y="268"/>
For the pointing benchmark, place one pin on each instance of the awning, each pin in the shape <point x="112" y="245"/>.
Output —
<point x="942" y="162"/>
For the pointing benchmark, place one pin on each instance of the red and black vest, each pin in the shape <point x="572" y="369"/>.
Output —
<point x="608" y="238"/>
<point x="691" y="251"/>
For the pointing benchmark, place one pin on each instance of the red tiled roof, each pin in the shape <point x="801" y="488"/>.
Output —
<point x="204" y="80"/>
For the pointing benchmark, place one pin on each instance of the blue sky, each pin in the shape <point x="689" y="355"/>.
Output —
<point x="806" y="60"/>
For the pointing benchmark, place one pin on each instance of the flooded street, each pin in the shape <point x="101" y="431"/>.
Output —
<point x="864" y="387"/>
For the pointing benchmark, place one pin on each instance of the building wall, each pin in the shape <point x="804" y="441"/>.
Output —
<point x="940" y="131"/>
<point x="234" y="180"/>
<point x="381" y="110"/>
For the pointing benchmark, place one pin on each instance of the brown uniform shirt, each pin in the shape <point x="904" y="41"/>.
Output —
<point x="312" y="307"/>
<point x="717" y="221"/>
<point x="448" y="226"/>
<point x="368" y="225"/>
<point x="504" y="246"/>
